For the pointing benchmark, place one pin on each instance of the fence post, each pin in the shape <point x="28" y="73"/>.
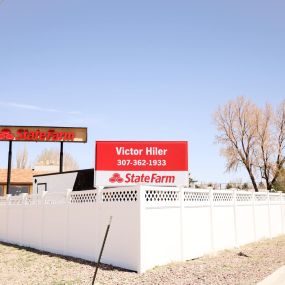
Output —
<point x="23" y="203"/>
<point x="7" y="216"/>
<point x="253" y="215"/>
<point x="269" y="215"/>
<point x="42" y="219"/>
<point x="181" y="190"/>
<point x="141" y="209"/>
<point x="211" y="199"/>
<point x="66" y="232"/>
<point x="281" y="211"/>
<point x="99" y="203"/>
<point x="235" y="216"/>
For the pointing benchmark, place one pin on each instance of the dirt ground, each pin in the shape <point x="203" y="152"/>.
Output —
<point x="245" y="265"/>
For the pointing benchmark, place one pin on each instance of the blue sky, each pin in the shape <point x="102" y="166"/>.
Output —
<point x="138" y="70"/>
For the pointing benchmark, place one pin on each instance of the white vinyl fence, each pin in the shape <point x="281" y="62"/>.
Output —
<point x="151" y="225"/>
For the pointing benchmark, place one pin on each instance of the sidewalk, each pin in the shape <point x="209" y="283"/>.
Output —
<point x="276" y="278"/>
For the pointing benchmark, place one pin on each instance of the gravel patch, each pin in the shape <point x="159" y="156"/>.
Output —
<point x="245" y="265"/>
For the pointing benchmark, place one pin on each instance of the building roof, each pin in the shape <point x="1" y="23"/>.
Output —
<point x="18" y="176"/>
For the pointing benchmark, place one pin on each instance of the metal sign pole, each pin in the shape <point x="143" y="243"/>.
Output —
<point x="100" y="255"/>
<point x="61" y="158"/>
<point x="9" y="166"/>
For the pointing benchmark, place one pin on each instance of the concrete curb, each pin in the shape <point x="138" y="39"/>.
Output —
<point x="276" y="278"/>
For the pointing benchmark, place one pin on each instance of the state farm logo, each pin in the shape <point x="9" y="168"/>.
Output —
<point x="116" y="178"/>
<point x="134" y="178"/>
<point x="6" y="134"/>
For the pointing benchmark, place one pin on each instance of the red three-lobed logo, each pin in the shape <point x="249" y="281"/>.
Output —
<point x="116" y="178"/>
<point x="6" y="134"/>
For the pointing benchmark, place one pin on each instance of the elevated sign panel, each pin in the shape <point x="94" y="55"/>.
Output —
<point x="163" y="163"/>
<point x="43" y="134"/>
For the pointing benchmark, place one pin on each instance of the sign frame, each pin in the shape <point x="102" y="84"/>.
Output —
<point x="174" y="155"/>
<point x="44" y="129"/>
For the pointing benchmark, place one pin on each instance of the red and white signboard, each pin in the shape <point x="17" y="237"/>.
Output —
<point x="163" y="163"/>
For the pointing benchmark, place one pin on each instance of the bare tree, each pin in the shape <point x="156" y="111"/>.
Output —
<point x="253" y="138"/>
<point x="264" y="148"/>
<point x="69" y="163"/>
<point x="51" y="157"/>
<point x="236" y="123"/>
<point x="280" y="141"/>
<point x="22" y="158"/>
<point x="271" y="143"/>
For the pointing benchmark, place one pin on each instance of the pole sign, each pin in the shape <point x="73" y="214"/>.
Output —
<point x="163" y="163"/>
<point x="43" y="134"/>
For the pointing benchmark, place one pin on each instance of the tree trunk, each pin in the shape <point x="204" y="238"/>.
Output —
<point x="254" y="183"/>
<point x="268" y="185"/>
<point x="252" y="179"/>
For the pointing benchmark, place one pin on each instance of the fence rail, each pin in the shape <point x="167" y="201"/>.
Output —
<point x="152" y="195"/>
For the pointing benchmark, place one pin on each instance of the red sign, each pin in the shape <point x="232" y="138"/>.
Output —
<point x="43" y="134"/>
<point x="146" y="162"/>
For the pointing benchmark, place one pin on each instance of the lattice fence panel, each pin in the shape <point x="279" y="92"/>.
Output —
<point x="244" y="197"/>
<point x="260" y="197"/>
<point x="120" y="196"/>
<point x="274" y="197"/>
<point x="78" y="197"/>
<point x="223" y="197"/>
<point x="196" y="197"/>
<point x="161" y="196"/>
<point x="16" y="200"/>
<point x="33" y="199"/>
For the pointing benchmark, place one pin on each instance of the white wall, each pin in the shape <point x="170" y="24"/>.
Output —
<point x="151" y="225"/>
<point x="56" y="183"/>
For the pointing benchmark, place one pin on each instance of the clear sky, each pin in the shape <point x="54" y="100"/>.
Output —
<point x="138" y="69"/>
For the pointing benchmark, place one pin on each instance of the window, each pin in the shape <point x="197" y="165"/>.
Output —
<point x="1" y="190"/>
<point x="18" y="189"/>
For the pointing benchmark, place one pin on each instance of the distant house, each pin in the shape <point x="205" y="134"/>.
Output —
<point x="21" y="181"/>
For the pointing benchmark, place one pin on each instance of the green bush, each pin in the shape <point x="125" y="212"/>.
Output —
<point x="279" y="185"/>
<point x="245" y="186"/>
<point x="229" y="186"/>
